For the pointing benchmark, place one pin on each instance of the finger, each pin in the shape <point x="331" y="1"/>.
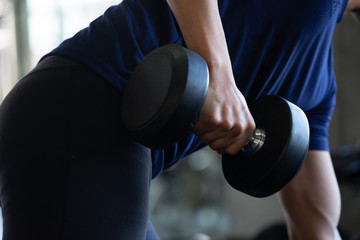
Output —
<point x="230" y="145"/>
<point x="234" y="140"/>
<point x="218" y="128"/>
<point x="235" y="147"/>
<point x="208" y="123"/>
<point x="218" y="132"/>
<point x="221" y="152"/>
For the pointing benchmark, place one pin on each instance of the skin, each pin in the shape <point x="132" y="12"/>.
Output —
<point x="353" y="7"/>
<point x="225" y="122"/>
<point x="311" y="202"/>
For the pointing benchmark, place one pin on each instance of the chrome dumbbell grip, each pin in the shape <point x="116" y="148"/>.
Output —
<point x="255" y="141"/>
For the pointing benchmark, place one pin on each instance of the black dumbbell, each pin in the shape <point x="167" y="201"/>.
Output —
<point x="163" y="99"/>
<point x="275" y="152"/>
<point x="164" y="96"/>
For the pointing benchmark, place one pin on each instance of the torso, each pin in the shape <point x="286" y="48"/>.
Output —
<point x="277" y="47"/>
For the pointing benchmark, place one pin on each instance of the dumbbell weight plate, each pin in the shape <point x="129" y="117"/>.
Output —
<point x="282" y="155"/>
<point x="164" y="95"/>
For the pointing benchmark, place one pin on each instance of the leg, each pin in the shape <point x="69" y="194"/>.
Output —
<point x="312" y="200"/>
<point x="67" y="168"/>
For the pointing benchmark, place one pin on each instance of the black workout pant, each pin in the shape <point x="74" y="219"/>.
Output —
<point x="67" y="169"/>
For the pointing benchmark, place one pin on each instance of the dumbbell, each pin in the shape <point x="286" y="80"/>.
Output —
<point x="164" y="97"/>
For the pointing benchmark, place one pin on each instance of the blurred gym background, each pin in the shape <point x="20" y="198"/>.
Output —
<point x="192" y="200"/>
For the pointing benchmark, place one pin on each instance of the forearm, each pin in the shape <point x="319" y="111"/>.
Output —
<point x="312" y="201"/>
<point x="225" y="122"/>
<point x="202" y="29"/>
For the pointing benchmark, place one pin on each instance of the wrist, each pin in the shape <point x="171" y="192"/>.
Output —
<point x="221" y="74"/>
<point x="215" y="54"/>
<point x="218" y="63"/>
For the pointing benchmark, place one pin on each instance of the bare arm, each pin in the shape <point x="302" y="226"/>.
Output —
<point x="202" y="29"/>
<point x="225" y="122"/>
<point x="353" y="7"/>
<point x="312" y="201"/>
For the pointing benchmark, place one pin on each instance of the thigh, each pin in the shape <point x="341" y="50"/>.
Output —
<point x="312" y="200"/>
<point x="67" y="168"/>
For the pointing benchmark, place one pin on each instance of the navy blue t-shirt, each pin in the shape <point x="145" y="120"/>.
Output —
<point x="277" y="47"/>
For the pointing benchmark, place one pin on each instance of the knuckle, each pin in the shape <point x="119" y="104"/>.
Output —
<point x="213" y="122"/>
<point x="226" y="125"/>
<point x="237" y="129"/>
<point x="250" y="128"/>
<point x="252" y="125"/>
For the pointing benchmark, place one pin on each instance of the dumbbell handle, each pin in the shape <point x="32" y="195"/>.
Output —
<point x="255" y="141"/>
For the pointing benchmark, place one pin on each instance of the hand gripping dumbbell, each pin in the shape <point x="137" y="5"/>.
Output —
<point x="162" y="102"/>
